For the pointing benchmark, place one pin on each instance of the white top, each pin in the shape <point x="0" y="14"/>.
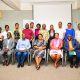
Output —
<point x="8" y="43"/>
<point x="5" y="34"/>
<point x="61" y="32"/>
<point x="23" y="44"/>
<point x="77" y="35"/>
<point x="0" y="35"/>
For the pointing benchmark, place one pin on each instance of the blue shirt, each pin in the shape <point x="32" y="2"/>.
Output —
<point x="23" y="44"/>
<point x="70" y="32"/>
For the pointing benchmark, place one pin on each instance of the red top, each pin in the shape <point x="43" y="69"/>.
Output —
<point x="28" y="33"/>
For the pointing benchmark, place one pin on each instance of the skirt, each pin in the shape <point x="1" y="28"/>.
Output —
<point x="38" y="53"/>
<point x="56" y="52"/>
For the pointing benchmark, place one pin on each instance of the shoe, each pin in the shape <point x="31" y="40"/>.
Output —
<point x="4" y="63"/>
<point x="76" y="66"/>
<point x="7" y="64"/>
<point x="38" y="67"/>
<point x="22" y="65"/>
<point x="71" y="66"/>
<point x="18" y="66"/>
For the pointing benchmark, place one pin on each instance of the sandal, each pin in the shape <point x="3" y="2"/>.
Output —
<point x="38" y="67"/>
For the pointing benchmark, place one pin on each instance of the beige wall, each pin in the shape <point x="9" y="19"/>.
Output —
<point x="11" y="17"/>
<point x="75" y="18"/>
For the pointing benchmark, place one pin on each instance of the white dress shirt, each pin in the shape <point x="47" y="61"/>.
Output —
<point x="5" y="34"/>
<point x="61" y="32"/>
<point x="77" y="35"/>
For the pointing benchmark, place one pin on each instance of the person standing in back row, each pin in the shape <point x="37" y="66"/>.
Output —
<point x="28" y="33"/>
<point x="69" y="31"/>
<point x="60" y="30"/>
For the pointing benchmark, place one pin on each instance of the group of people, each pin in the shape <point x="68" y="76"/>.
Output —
<point x="40" y="39"/>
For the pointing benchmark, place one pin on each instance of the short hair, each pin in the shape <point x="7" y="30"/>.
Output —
<point x="69" y="23"/>
<point x="10" y="34"/>
<point x="16" y="24"/>
<point x="6" y="26"/>
<point x="44" y="25"/>
<point x="39" y="24"/>
<point x="60" y="22"/>
<point x="27" y="24"/>
<point x="69" y="35"/>
<point x="0" y="28"/>
<point x="78" y="24"/>
<point x="31" y="23"/>
<point x="40" y="34"/>
<point x="56" y="33"/>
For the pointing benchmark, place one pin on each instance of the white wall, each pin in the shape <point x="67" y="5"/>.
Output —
<point x="52" y="14"/>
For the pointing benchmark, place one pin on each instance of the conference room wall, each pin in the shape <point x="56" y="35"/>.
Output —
<point x="75" y="18"/>
<point x="11" y="17"/>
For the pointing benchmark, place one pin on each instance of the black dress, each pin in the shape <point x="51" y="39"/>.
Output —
<point x="50" y="38"/>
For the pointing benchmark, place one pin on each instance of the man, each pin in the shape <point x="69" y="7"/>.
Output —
<point x="1" y="36"/>
<point x="22" y="50"/>
<point x="1" y="44"/>
<point x="70" y="31"/>
<point x="6" y="31"/>
<point x="44" y="32"/>
<point x="32" y="27"/>
<point x="77" y="33"/>
<point x="72" y="47"/>
<point x="8" y="49"/>
<point x="28" y="33"/>
<point x="55" y="49"/>
<point x="16" y="33"/>
<point x="60" y="30"/>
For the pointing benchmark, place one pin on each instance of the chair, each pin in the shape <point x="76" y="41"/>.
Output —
<point x="31" y="56"/>
<point x="63" y="57"/>
<point x="14" y="57"/>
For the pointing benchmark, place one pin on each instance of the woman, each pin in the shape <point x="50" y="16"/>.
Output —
<point x="55" y="49"/>
<point x="8" y="49"/>
<point x="37" y="30"/>
<point x="39" y="50"/>
<point x="51" y="34"/>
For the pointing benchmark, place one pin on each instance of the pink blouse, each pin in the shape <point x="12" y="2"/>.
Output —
<point x="56" y="43"/>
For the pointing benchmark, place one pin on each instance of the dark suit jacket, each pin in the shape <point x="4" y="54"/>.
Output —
<point x="75" y="45"/>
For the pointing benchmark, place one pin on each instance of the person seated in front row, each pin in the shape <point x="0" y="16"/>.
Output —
<point x="8" y="49"/>
<point x="72" y="47"/>
<point x="55" y="49"/>
<point x="22" y="50"/>
<point x="1" y="44"/>
<point x="39" y="50"/>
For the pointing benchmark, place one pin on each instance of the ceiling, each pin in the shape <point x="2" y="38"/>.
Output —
<point x="27" y="4"/>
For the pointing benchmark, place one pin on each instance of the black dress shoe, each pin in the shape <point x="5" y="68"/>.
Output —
<point x="22" y="65"/>
<point x="18" y="65"/>
<point x="76" y="66"/>
<point x="71" y="66"/>
<point x="7" y="64"/>
<point x="4" y="63"/>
